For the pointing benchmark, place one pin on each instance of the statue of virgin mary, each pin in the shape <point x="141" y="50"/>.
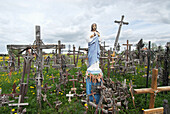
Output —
<point x="94" y="73"/>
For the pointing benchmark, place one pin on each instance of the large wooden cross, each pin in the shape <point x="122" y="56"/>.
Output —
<point x="153" y="90"/>
<point x="118" y="33"/>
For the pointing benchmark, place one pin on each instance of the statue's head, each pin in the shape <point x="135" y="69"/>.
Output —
<point x="94" y="27"/>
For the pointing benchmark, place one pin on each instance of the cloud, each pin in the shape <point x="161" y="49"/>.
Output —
<point x="70" y="21"/>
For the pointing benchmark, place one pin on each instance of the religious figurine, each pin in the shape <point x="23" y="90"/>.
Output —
<point x="94" y="73"/>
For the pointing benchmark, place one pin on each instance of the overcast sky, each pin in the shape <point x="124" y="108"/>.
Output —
<point x="70" y="21"/>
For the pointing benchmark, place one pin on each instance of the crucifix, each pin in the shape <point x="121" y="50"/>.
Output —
<point x="128" y="45"/>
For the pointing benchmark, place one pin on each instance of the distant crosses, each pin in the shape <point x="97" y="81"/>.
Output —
<point x="127" y="50"/>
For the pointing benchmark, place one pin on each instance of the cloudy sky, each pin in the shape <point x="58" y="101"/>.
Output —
<point x="70" y="21"/>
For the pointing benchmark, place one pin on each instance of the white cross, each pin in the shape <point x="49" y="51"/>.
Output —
<point x="69" y="95"/>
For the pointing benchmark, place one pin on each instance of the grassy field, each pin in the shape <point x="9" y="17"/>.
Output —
<point x="75" y="107"/>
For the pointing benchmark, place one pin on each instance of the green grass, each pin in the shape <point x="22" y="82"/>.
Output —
<point x="75" y="107"/>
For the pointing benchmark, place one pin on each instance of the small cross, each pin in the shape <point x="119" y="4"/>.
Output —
<point x="73" y="80"/>
<point x="92" y="95"/>
<point x="83" y="82"/>
<point x="45" y="88"/>
<point x="69" y="95"/>
<point x="128" y="45"/>
<point x="52" y="78"/>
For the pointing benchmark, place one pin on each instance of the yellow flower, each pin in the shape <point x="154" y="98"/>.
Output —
<point x="85" y="104"/>
<point x="0" y="88"/>
<point x="145" y="66"/>
<point x="142" y="109"/>
<point x="33" y="93"/>
<point x="54" y="90"/>
<point x="61" y="93"/>
<point x="13" y="110"/>
<point x="41" y="85"/>
<point x="31" y="87"/>
<point x="15" y="113"/>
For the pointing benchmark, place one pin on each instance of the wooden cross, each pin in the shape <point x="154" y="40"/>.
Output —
<point x="58" y="103"/>
<point x="53" y="78"/>
<point x="69" y="95"/>
<point x="128" y="45"/>
<point x="83" y="82"/>
<point x="92" y="93"/>
<point x="18" y="104"/>
<point x="120" y="25"/>
<point x="153" y="90"/>
<point x="79" y="74"/>
<point x="46" y="88"/>
<point x="73" y="80"/>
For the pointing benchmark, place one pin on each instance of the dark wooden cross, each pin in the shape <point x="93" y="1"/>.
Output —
<point x="46" y="88"/>
<point x="73" y="80"/>
<point x="128" y="45"/>
<point x="53" y="78"/>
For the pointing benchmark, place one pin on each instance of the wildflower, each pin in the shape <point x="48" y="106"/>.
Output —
<point x="61" y="93"/>
<point x="85" y="105"/>
<point x="0" y="88"/>
<point x="54" y="90"/>
<point x="33" y="93"/>
<point x="31" y="87"/>
<point x="15" y="113"/>
<point x="145" y="66"/>
<point x="41" y="85"/>
<point x="142" y="109"/>
<point x="13" y="110"/>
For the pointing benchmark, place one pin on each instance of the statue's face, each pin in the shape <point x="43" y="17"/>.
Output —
<point x="94" y="26"/>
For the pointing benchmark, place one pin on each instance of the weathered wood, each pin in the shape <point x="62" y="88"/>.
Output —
<point x="153" y="90"/>
<point x="154" y="87"/>
<point x="154" y="111"/>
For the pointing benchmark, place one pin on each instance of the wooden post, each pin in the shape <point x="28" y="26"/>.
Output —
<point x="108" y="67"/>
<point x="154" y="87"/>
<point x="74" y="49"/>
